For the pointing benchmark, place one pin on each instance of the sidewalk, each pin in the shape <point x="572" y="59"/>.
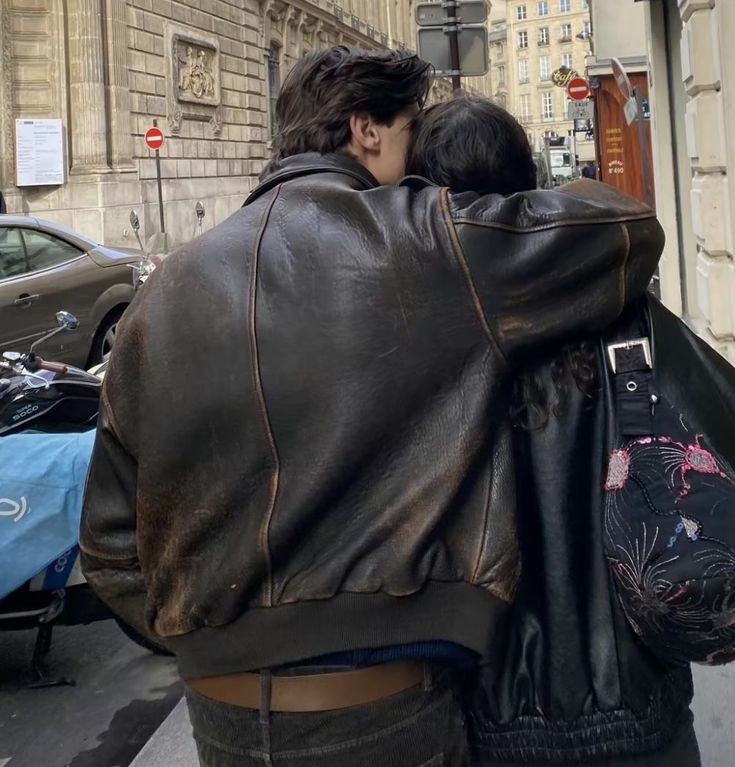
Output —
<point x="714" y="712"/>
<point x="171" y="743"/>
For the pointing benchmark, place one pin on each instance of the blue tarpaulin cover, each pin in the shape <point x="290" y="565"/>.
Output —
<point x="42" y="478"/>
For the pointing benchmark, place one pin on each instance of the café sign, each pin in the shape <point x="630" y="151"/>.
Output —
<point x="563" y="76"/>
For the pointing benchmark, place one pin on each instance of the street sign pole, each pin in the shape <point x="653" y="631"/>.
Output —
<point x="452" y="36"/>
<point x="160" y="188"/>
<point x="453" y="32"/>
<point x="547" y="153"/>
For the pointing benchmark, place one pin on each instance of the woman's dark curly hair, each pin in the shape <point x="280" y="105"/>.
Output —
<point x="470" y="144"/>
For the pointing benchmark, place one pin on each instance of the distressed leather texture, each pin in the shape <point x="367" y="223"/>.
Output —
<point x="306" y="413"/>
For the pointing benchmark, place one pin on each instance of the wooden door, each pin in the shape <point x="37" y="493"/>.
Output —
<point x="618" y="144"/>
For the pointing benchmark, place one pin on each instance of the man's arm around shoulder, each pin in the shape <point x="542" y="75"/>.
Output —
<point x="550" y="266"/>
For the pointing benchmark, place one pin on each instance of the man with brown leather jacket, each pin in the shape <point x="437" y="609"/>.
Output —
<point x="303" y="462"/>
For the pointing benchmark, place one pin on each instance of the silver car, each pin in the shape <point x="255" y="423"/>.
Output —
<point x="45" y="267"/>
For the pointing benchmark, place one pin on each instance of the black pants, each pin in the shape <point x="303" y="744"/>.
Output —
<point x="420" y="727"/>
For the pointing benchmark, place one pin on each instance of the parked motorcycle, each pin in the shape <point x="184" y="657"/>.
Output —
<point x="48" y="396"/>
<point x="41" y="584"/>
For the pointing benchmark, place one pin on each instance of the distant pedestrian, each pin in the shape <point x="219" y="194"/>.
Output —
<point x="3" y="206"/>
<point x="589" y="171"/>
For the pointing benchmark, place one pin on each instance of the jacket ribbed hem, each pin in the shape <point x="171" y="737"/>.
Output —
<point x="275" y="636"/>
<point x="602" y="735"/>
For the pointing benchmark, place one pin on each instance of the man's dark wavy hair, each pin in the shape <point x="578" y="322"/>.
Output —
<point x="470" y="144"/>
<point x="326" y="87"/>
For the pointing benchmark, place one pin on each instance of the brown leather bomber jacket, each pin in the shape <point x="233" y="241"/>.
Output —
<point x="303" y="444"/>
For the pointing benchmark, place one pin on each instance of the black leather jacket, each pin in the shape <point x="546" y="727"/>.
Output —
<point x="575" y="684"/>
<point x="303" y="444"/>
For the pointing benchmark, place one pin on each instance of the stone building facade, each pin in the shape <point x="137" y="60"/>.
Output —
<point x="708" y="77"/>
<point x="691" y="64"/>
<point x="529" y="40"/>
<point x="207" y="72"/>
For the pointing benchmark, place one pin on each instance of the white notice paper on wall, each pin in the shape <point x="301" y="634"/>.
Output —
<point x="39" y="153"/>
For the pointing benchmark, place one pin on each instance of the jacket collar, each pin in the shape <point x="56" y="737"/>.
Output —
<point x="310" y="163"/>
<point x="417" y="183"/>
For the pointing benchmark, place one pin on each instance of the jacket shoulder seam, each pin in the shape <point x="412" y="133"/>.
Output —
<point x="475" y="579"/>
<point x="460" y="219"/>
<point x="459" y="255"/>
<point x="114" y="426"/>
<point x="264" y="541"/>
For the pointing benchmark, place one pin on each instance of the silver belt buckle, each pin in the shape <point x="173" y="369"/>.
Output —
<point x="644" y="343"/>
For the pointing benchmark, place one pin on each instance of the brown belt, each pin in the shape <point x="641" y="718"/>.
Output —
<point x="314" y="692"/>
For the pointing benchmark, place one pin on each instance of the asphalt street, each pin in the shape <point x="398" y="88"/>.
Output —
<point x="121" y="695"/>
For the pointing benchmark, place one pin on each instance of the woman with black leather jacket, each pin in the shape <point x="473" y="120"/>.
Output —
<point x="575" y="686"/>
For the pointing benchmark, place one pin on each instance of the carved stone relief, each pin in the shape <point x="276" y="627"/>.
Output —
<point x="195" y="66"/>
<point x="193" y="81"/>
<point x="215" y="122"/>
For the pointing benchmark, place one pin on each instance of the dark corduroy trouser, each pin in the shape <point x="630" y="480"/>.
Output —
<point x="420" y="727"/>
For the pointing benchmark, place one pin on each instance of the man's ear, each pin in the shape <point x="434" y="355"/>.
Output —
<point x="364" y="132"/>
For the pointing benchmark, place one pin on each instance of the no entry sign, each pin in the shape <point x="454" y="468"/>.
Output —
<point x="154" y="138"/>
<point x="578" y="89"/>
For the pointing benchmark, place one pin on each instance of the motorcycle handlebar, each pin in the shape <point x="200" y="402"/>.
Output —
<point x="53" y="367"/>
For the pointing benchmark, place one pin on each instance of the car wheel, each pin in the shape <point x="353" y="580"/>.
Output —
<point x="104" y="338"/>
